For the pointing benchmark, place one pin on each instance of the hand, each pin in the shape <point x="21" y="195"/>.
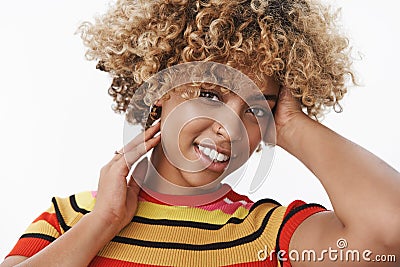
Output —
<point x="116" y="200"/>
<point x="287" y="110"/>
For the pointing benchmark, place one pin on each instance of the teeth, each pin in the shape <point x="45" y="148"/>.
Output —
<point x="213" y="154"/>
<point x="220" y="157"/>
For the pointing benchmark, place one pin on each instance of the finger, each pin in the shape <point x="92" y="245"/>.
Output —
<point x="141" y="149"/>
<point x="149" y="133"/>
<point x="284" y="93"/>
<point x="123" y="164"/>
<point x="139" y="173"/>
<point x="142" y="137"/>
<point x="287" y="97"/>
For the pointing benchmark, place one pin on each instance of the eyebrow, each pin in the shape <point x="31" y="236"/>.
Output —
<point x="263" y="97"/>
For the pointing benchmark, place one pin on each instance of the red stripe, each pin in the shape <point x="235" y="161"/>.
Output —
<point x="232" y="195"/>
<point x="148" y="198"/>
<point x="28" y="246"/>
<point x="294" y="204"/>
<point x="291" y="225"/>
<point x="51" y="218"/>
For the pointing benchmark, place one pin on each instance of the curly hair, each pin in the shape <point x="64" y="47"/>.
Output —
<point x="295" y="41"/>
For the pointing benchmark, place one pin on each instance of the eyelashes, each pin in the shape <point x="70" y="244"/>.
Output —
<point x="258" y="112"/>
<point x="214" y="98"/>
<point x="210" y="95"/>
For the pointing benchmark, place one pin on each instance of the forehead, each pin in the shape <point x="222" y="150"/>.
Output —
<point x="253" y="88"/>
<point x="268" y="85"/>
<point x="244" y="87"/>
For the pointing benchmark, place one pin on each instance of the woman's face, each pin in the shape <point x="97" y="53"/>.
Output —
<point x="207" y="137"/>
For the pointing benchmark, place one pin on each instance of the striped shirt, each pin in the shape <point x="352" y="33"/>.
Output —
<point x="230" y="231"/>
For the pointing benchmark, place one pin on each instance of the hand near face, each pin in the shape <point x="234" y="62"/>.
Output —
<point x="288" y="109"/>
<point x="116" y="200"/>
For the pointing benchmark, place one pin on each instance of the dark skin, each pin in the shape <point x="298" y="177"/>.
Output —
<point x="224" y="133"/>
<point x="365" y="195"/>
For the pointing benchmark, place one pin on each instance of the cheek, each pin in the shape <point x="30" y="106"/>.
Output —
<point x="180" y="110"/>
<point x="254" y="135"/>
<point x="182" y="122"/>
<point x="193" y="130"/>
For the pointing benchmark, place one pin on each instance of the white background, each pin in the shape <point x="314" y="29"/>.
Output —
<point x="58" y="129"/>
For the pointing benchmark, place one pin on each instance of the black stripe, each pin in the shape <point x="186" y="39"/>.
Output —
<point x="60" y="218"/>
<point x="207" y="226"/>
<point x="212" y="246"/>
<point x="165" y="222"/>
<point x="264" y="201"/>
<point x="191" y="224"/>
<point x="75" y="206"/>
<point x="40" y="236"/>
<point x="287" y="218"/>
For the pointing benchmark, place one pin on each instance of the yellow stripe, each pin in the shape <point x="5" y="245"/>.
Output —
<point x="189" y="235"/>
<point x="85" y="200"/>
<point x="238" y="254"/>
<point x="42" y="227"/>
<point x="70" y="216"/>
<point x="185" y="235"/>
<point x="181" y="213"/>
<point x="51" y="210"/>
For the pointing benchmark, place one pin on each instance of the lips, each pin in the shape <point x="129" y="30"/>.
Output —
<point x="214" y="160"/>
<point x="213" y="154"/>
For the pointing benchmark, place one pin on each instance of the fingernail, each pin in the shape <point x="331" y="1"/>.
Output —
<point x="156" y="122"/>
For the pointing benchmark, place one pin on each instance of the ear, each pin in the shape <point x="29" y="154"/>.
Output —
<point x="159" y="102"/>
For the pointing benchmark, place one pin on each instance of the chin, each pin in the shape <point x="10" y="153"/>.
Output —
<point x="205" y="180"/>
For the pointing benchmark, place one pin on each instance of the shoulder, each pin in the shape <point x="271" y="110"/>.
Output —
<point x="275" y="224"/>
<point x="291" y="214"/>
<point x="63" y="213"/>
<point x="295" y="214"/>
<point x="270" y="213"/>
<point x="69" y="210"/>
<point x="82" y="202"/>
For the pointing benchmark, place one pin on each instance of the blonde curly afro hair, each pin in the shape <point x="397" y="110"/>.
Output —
<point x="295" y="41"/>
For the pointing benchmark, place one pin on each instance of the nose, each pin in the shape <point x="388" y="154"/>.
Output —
<point x="233" y="134"/>
<point x="230" y="127"/>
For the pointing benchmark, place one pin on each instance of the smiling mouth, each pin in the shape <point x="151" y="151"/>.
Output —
<point x="213" y="154"/>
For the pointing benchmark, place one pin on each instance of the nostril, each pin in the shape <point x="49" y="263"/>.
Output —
<point x="218" y="131"/>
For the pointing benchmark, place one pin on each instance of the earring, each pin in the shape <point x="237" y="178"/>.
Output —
<point x="153" y="115"/>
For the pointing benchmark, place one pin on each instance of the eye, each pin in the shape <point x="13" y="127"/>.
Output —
<point x="209" y="95"/>
<point x="258" y="112"/>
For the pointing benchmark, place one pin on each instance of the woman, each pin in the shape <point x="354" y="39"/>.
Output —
<point x="309" y="141"/>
